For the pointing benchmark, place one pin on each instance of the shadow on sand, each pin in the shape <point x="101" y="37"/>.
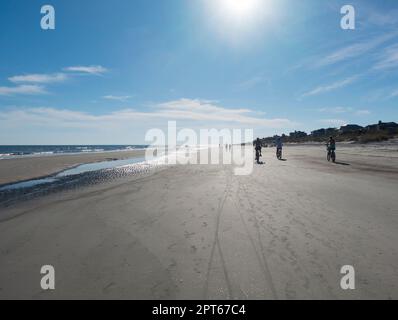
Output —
<point x="282" y="159"/>
<point x="342" y="163"/>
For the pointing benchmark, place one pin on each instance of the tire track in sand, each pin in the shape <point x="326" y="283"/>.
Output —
<point x="216" y="243"/>
<point x="248" y="234"/>
<point x="264" y="264"/>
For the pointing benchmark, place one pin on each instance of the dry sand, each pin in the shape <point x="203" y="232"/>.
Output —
<point x="25" y="168"/>
<point x="199" y="232"/>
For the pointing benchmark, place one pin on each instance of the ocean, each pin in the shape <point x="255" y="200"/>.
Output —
<point x="7" y="152"/>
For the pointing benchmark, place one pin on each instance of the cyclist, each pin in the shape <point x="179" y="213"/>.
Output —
<point x="331" y="144"/>
<point x="331" y="148"/>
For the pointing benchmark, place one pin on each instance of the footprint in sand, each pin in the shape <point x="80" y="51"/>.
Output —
<point x="188" y="235"/>
<point x="172" y="265"/>
<point x="194" y="249"/>
<point x="108" y="287"/>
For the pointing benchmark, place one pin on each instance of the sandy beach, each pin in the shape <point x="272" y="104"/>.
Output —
<point x="24" y="168"/>
<point x="200" y="232"/>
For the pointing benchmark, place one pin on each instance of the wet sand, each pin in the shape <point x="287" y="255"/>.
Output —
<point x="25" y="168"/>
<point x="200" y="232"/>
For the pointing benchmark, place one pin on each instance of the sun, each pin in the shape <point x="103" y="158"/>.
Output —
<point x="239" y="9"/>
<point x="240" y="21"/>
<point x="238" y="15"/>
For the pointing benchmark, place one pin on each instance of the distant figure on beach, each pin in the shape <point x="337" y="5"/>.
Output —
<point x="258" y="146"/>
<point x="331" y="148"/>
<point x="279" y="145"/>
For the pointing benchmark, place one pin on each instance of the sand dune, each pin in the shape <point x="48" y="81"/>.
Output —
<point x="200" y="232"/>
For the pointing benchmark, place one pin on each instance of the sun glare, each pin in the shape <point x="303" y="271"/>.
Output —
<point x="235" y="19"/>
<point x="239" y="9"/>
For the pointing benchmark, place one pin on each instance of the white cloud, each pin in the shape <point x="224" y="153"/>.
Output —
<point x="203" y="110"/>
<point x="333" y="122"/>
<point x="388" y="59"/>
<point x="22" y="89"/>
<point x="252" y="82"/>
<point x="39" y="78"/>
<point x="354" y="50"/>
<point x="335" y="110"/>
<point x="383" y="19"/>
<point x="29" y="83"/>
<point x="362" y="112"/>
<point x="341" y="110"/>
<point x="330" y="87"/>
<point x="95" y="70"/>
<point x="117" y="98"/>
<point x="127" y="126"/>
<point x="394" y="94"/>
<point x="198" y="111"/>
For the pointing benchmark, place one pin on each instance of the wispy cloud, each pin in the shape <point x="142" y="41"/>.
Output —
<point x="383" y="18"/>
<point x="95" y="70"/>
<point x="253" y="82"/>
<point x="33" y="83"/>
<point x="394" y="94"/>
<point x="330" y="87"/>
<point x="345" y="110"/>
<point x="353" y="50"/>
<point x="362" y="112"/>
<point x="22" y="89"/>
<point x="117" y="98"/>
<point x="38" y="78"/>
<point x="207" y="111"/>
<point x="388" y="59"/>
<point x="335" y="110"/>
<point x="333" y="122"/>
<point x="201" y="112"/>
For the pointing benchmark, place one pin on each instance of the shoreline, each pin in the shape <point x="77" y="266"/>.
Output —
<point x="30" y="168"/>
<point x="21" y="169"/>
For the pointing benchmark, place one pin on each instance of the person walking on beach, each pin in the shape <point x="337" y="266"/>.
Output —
<point x="258" y="147"/>
<point x="279" y="145"/>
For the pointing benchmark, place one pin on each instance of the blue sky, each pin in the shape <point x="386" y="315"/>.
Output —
<point x="111" y="70"/>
